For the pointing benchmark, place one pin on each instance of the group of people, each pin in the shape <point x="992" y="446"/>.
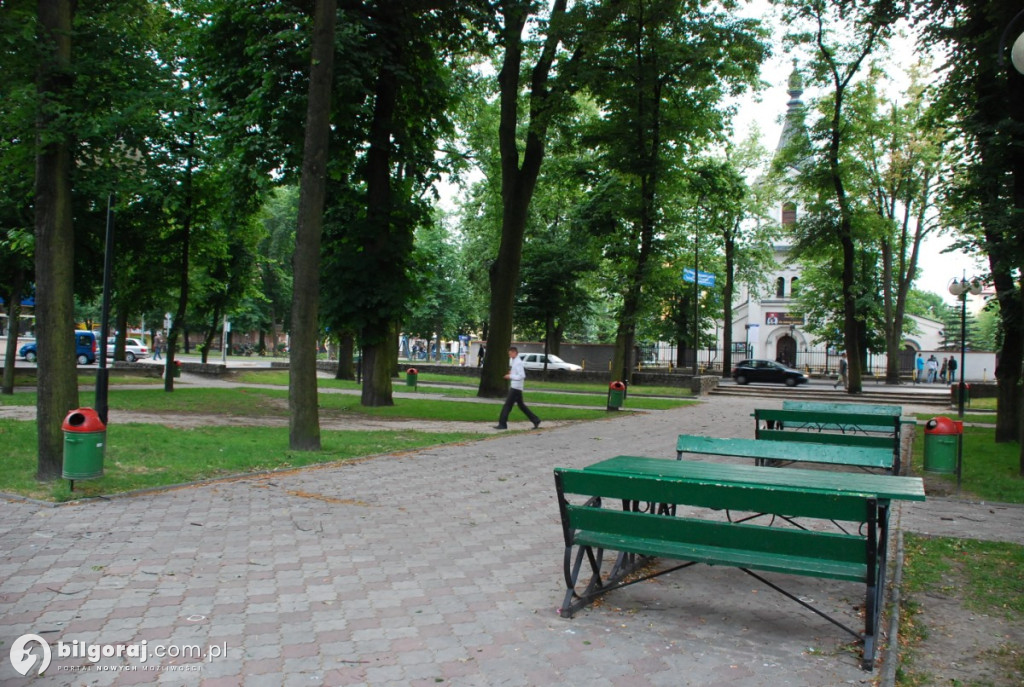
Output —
<point x="931" y="370"/>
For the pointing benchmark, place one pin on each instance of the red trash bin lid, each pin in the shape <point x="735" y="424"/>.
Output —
<point x="83" y="420"/>
<point x="618" y="386"/>
<point x="942" y="425"/>
<point x="412" y="371"/>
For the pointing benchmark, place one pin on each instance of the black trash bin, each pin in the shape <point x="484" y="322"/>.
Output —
<point x="85" y="439"/>
<point x="942" y="438"/>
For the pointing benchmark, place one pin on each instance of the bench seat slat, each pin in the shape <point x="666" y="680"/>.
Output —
<point x="712" y="555"/>
<point x="882" y="486"/>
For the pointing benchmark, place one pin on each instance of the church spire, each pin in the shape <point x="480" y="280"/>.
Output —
<point x="793" y="125"/>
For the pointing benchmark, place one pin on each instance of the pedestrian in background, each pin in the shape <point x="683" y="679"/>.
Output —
<point x="516" y="375"/>
<point x="844" y="369"/>
<point x="952" y="369"/>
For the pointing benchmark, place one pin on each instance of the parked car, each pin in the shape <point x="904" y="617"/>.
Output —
<point x="535" y="361"/>
<point x="133" y="349"/>
<point x="767" y="371"/>
<point x="85" y="348"/>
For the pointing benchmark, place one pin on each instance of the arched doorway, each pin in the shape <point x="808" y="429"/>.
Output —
<point x="907" y="356"/>
<point x="785" y="350"/>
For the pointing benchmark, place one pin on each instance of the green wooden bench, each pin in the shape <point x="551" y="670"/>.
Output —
<point x="611" y="506"/>
<point x="859" y="408"/>
<point x="864" y="430"/>
<point x="776" y="452"/>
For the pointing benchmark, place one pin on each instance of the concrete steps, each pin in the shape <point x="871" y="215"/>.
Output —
<point x="932" y="398"/>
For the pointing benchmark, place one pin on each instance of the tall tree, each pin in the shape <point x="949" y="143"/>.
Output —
<point x="304" y="418"/>
<point x="899" y="157"/>
<point x="57" y="383"/>
<point x="570" y="36"/>
<point x="660" y="82"/>
<point x="983" y="101"/>
<point x="843" y="35"/>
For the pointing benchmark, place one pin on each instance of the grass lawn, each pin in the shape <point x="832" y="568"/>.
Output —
<point x="149" y="455"/>
<point x="991" y="471"/>
<point x="458" y="386"/>
<point x="986" y="577"/>
<point x="255" y="402"/>
<point x="140" y="456"/>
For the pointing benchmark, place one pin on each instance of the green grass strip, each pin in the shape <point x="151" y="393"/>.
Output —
<point x="140" y="456"/>
<point x="987" y="576"/>
<point x="250" y="402"/>
<point x="990" y="471"/>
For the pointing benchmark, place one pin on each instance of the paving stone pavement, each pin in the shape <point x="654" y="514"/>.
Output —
<point x="439" y="566"/>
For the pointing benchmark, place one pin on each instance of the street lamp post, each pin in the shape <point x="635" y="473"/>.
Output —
<point x="1017" y="49"/>
<point x="960" y="288"/>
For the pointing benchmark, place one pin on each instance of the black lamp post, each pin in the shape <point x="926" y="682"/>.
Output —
<point x="960" y="288"/>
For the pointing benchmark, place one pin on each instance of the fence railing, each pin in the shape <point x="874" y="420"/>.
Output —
<point x="817" y="362"/>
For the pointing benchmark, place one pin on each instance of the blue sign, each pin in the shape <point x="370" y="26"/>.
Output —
<point x="703" y="278"/>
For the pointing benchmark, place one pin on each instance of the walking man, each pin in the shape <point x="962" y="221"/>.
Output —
<point x="516" y="375"/>
<point x="952" y="369"/>
<point x="844" y="367"/>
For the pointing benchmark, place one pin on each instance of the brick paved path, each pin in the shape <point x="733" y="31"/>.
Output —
<point x="440" y="566"/>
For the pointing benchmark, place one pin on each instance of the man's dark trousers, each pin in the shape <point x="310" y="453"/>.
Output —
<point x="515" y="397"/>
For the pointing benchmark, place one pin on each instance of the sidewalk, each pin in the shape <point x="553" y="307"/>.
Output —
<point x="439" y="566"/>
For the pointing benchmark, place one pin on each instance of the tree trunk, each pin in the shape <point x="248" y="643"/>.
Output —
<point x="377" y="364"/>
<point x="304" y="419"/>
<point x="727" y="292"/>
<point x="346" y="350"/>
<point x="122" y="333"/>
<point x="1011" y="354"/>
<point x="57" y="379"/>
<point x="13" y="327"/>
<point x="178" y="324"/>
<point x="211" y="333"/>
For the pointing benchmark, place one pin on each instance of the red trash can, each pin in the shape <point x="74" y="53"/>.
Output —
<point x="942" y="437"/>
<point x="85" y="438"/>
<point x="616" y="395"/>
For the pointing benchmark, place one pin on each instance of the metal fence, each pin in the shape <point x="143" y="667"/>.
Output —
<point x="817" y="362"/>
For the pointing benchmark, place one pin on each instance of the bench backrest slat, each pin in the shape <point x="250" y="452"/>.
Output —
<point x="857" y="440"/>
<point x="867" y="456"/>
<point x="707" y="494"/>
<point x="862" y="421"/>
<point x="834" y="546"/>
<point x="865" y="408"/>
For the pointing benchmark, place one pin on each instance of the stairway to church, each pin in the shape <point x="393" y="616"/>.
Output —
<point x="919" y="396"/>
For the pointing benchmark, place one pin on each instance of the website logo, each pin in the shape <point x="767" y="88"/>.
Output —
<point x="23" y="659"/>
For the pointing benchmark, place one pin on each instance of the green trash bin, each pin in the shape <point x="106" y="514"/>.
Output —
<point x="85" y="439"/>
<point x="942" y="438"/>
<point x="411" y="377"/>
<point x="616" y="395"/>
